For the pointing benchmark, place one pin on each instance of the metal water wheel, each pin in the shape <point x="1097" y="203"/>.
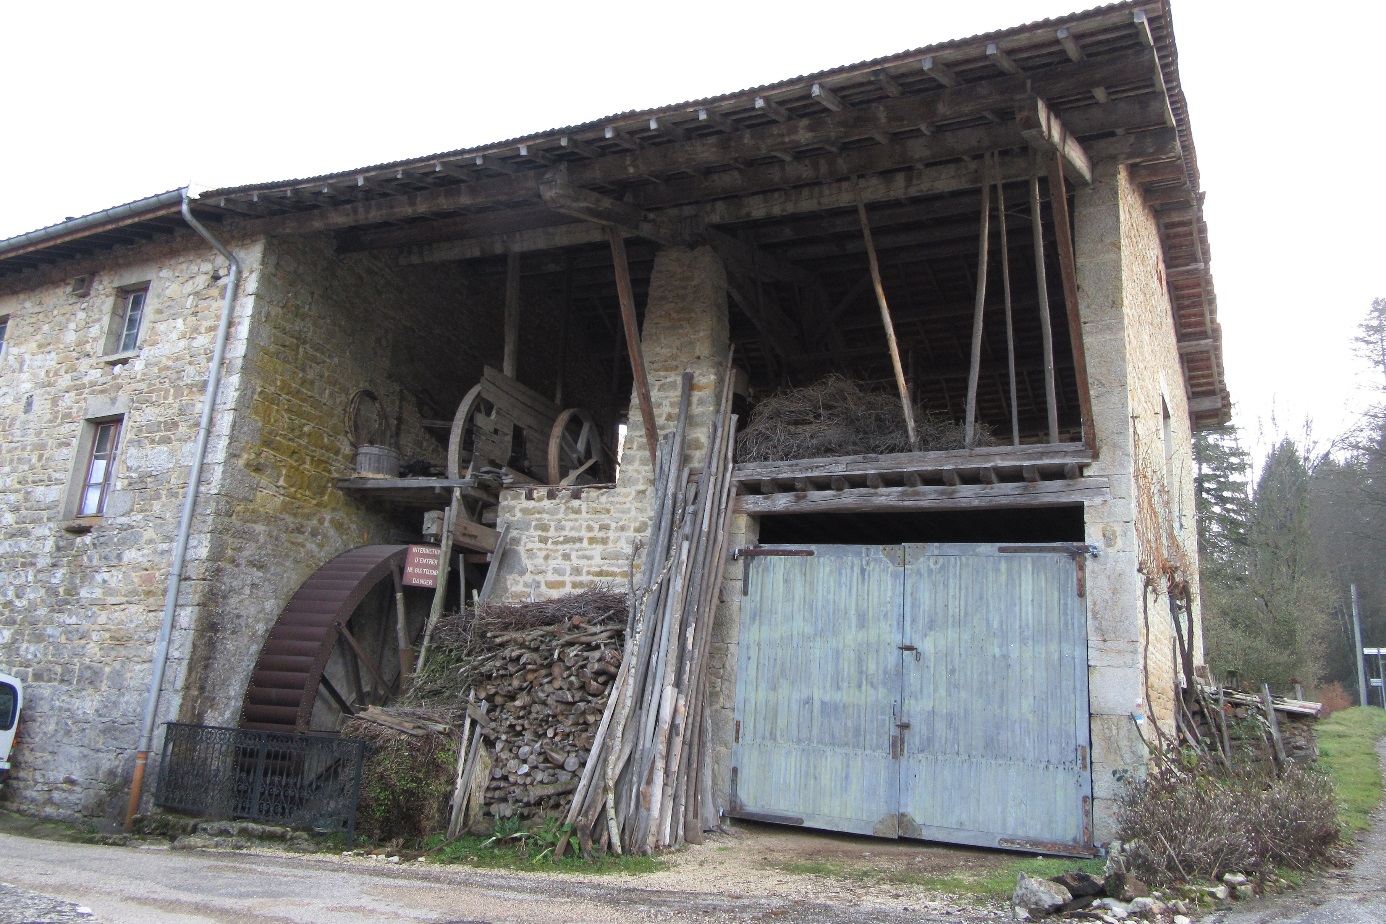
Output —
<point x="335" y="648"/>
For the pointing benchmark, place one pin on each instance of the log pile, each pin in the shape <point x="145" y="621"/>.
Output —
<point x="538" y="676"/>
<point x="648" y="782"/>
<point x="1240" y="726"/>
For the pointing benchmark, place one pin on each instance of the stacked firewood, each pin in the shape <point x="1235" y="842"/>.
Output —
<point x="545" y="691"/>
<point x="647" y="783"/>
<point x="526" y="683"/>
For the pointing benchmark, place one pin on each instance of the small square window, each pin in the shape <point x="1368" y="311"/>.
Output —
<point x="126" y="319"/>
<point x="100" y="468"/>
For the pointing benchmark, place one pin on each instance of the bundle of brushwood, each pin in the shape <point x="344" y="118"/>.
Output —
<point x="648" y="781"/>
<point x="538" y="675"/>
<point x="837" y="416"/>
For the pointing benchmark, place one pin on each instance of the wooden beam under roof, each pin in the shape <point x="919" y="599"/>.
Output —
<point x="841" y="194"/>
<point x="1041" y="127"/>
<point x="892" y="114"/>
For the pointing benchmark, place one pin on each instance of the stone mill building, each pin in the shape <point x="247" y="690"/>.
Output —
<point x="969" y="644"/>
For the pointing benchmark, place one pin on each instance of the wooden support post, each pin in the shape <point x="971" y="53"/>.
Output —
<point x="440" y="593"/>
<point x="406" y="647"/>
<point x="637" y="355"/>
<point x="1006" y="300"/>
<point x="970" y="420"/>
<point x="905" y="402"/>
<point x="511" y="359"/>
<point x="1042" y="285"/>
<point x="1274" y="724"/>
<point x="1068" y="267"/>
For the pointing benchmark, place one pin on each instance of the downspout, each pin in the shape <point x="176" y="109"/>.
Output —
<point x="180" y="545"/>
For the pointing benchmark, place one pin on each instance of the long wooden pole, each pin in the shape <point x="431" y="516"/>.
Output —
<point x="1046" y="332"/>
<point x="889" y="325"/>
<point x="1006" y="299"/>
<point x="510" y="360"/>
<point x="974" y="369"/>
<point x="1063" y="232"/>
<point x="637" y="355"/>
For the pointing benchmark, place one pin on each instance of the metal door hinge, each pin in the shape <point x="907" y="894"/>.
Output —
<point x="752" y="551"/>
<point x="736" y="737"/>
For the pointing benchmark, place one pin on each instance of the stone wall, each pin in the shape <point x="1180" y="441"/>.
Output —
<point x="1133" y="367"/>
<point x="81" y="601"/>
<point x="323" y="326"/>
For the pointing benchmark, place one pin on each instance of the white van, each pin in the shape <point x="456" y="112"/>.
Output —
<point x="11" y="699"/>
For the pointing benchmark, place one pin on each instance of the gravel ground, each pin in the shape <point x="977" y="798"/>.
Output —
<point x="21" y="906"/>
<point x="161" y="886"/>
<point x="1356" y="896"/>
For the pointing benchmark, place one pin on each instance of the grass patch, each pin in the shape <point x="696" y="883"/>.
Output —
<point x="1347" y="745"/>
<point x="996" y="884"/>
<point x="532" y="851"/>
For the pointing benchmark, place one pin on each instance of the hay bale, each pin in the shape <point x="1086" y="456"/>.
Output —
<point x="837" y="416"/>
<point x="406" y="780"/>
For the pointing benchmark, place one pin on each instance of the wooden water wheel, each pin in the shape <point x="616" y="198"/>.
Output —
<point x="335" y="648"/>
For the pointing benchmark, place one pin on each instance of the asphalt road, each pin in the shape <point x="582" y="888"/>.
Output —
<point x="161" y="886"/>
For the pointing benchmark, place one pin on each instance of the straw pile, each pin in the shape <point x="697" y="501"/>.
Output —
<point x="836" y="416"/>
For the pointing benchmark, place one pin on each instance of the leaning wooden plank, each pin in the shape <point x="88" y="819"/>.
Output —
<point x="626" y="295"/>
<point x="496" y="558"/>
<point x="964" y="497"/>
<point x="1068" y="269"/>
<point x="894" y="348"/>
<point x="975" y="364"/>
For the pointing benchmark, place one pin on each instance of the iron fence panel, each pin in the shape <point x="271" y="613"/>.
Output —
<point x="308" y="781"/>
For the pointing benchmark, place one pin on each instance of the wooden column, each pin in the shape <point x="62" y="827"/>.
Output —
<point x="1042" y="284"/>
<point x="970" y="420"/>
<point x="1006" y="299"/>
<point x="511" y="360"/>
<point x="637" y="354"/>
<point x="905" y="402"/>
<point x="1068" y="268"/>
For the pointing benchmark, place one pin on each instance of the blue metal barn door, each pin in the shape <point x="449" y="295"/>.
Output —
<point x="995" y="692"/>
<point x="818" y="686"/>
<point x="929" y="691"/>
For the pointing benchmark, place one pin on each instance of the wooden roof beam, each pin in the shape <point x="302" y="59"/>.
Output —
<point x="939" y="71"/>
<point x="887" y="83"/>
<point x="569" y="143"/>
<point x="773" y="109"/>
<point x="827" y="97"/>
<point x="1002" y="60"/>
<point x="1043" y="130"/>
<point x="561" y="196"/>
<point x="1076" y="54"/>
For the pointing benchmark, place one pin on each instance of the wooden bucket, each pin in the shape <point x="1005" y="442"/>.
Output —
<point x="377" y="462"/>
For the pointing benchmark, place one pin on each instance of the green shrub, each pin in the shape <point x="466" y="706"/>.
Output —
<point x="406" y="784"/>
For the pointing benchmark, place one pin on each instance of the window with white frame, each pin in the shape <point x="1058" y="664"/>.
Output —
<point x="126" y="320"/>
<point x="99" y="471"/>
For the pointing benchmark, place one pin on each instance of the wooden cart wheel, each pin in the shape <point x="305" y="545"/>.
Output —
<point x="575" y="445"/>
<point x="460" y="437"/>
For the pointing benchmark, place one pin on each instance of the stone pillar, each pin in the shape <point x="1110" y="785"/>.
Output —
<point x="575" y="539"/>
<point x="1115" y="588"/>
<point x="685" y="329"/>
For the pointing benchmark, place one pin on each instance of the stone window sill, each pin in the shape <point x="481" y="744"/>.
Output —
<point x="80" y="526"/>
<point x="118" y="359"/>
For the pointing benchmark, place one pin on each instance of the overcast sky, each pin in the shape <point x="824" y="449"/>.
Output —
<point x="112" y="102"/>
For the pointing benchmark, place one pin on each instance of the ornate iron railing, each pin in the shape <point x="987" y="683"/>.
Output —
<point x="309" y="781"/>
